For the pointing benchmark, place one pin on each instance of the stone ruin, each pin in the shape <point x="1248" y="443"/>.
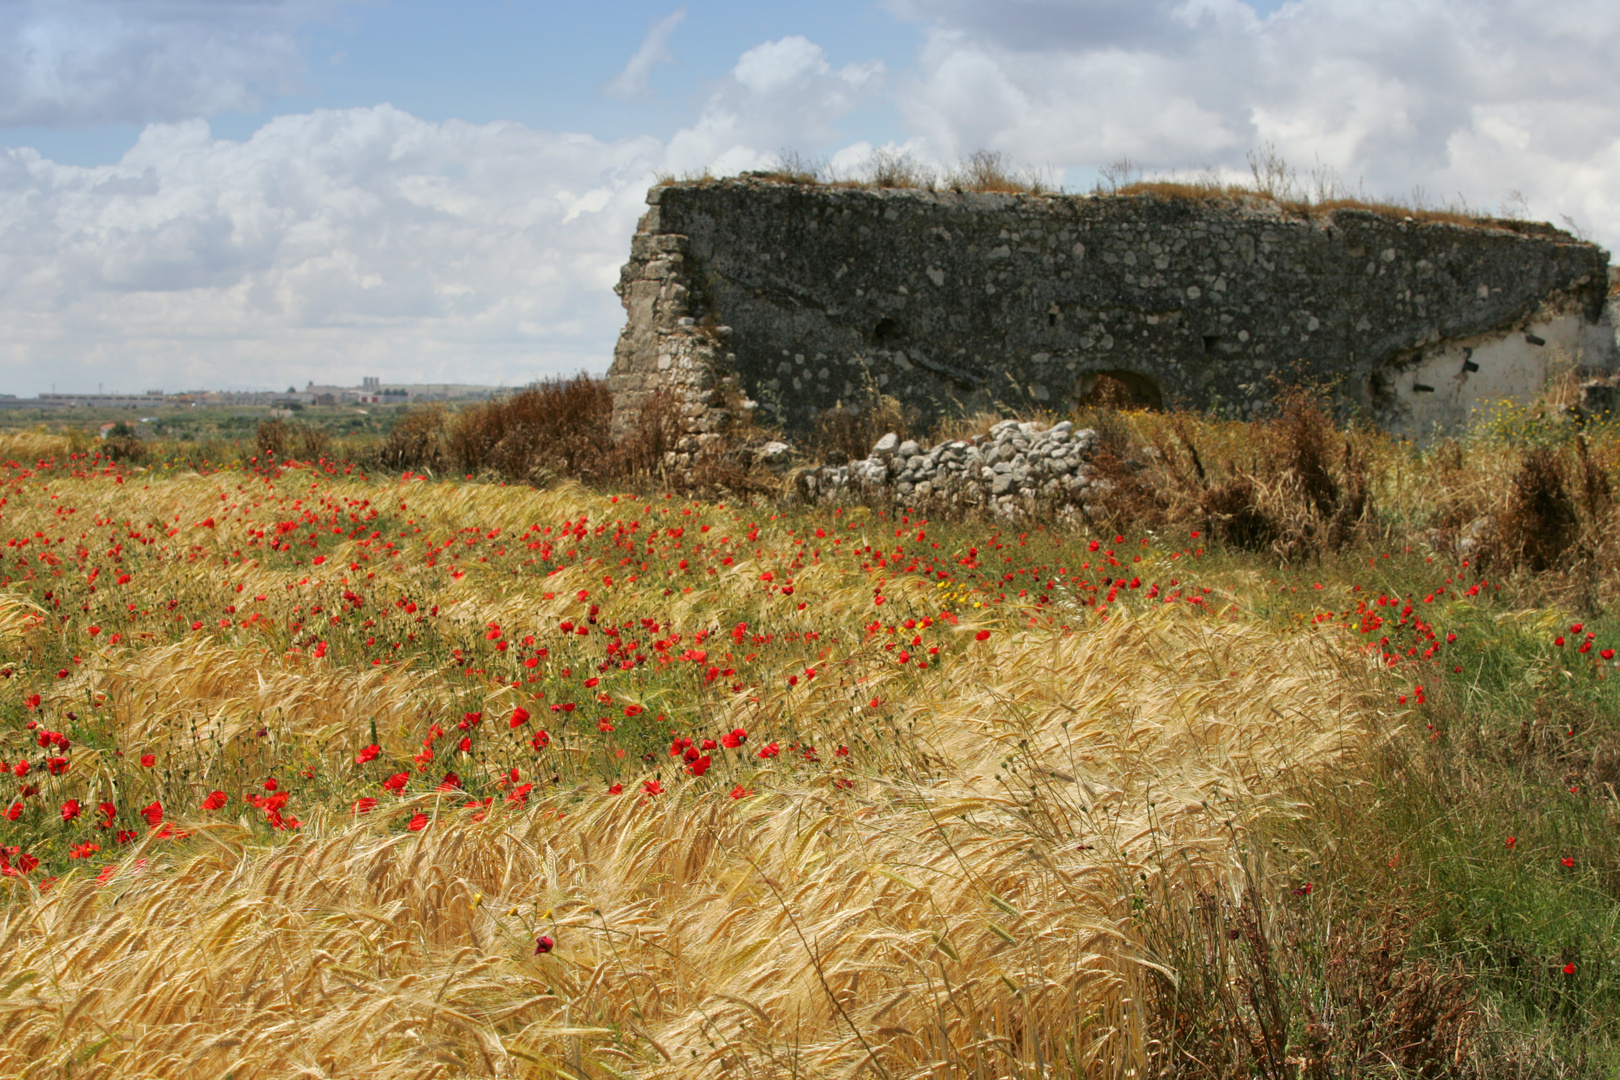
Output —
<point x="779" y="300"/>
<point x="1017" y="466"/>
<point x="783" y="300"/>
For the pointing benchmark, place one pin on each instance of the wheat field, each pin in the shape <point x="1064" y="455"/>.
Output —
<point x="394" y="778"/>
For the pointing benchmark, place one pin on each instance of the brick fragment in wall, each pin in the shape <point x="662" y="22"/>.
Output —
<point x="800" y="298"/>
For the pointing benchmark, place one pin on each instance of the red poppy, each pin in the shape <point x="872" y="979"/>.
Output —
<point x="148" y="760"/>
<point x="520" y="716"/>
<point x="418" y="822"/>
<point x="544" y="944"/>
<point x="214" y="801"/>
<point x="153" y="813"/>
<point x="652" y="787"/>
<point x="1569" y="969"/>
<point x="982" y="635"/>
<point x="615" y="789"/>
<point x="368" y="753"/>
<point x="1567" y="862"/>
<point x="735" y="739"/>
<point x="365" y="805"/>
<point x="70" y="809"/>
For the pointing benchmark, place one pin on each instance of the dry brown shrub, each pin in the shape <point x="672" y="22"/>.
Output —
<point x="980" y="171"/>
<point x="1539" y="524"/>
<point x="273" y="436"/>
<point x="122" y="444"/>
<point x="417" y="440"/>
<point x="1301" y="487"/>
<point x="891" y="169"/>
<point x="1232" y="514"/>
<point x="643" y="450"/>
<point x="281" y="439"/>
<point x="988" y="171"/>
<point x="1323" y="483"/>
<point x="553" y="429"/>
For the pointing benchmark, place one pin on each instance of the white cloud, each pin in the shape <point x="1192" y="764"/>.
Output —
<point x="780" y="94"/>
<point x="77" y="62"/>
<point x="329" y="245"/>
<point x="342" y="243"/>
<point x="632" y="81"/>
<point x="1469" y="97"/>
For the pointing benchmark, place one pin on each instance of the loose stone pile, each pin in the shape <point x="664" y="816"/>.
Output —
<point x="1015" y="467"/>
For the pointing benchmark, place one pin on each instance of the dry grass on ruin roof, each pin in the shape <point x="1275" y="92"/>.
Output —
<point x="1211" y="192"/>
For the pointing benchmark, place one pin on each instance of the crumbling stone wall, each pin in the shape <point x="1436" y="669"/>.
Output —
<point x="1015" y="467"/>
<point x="796" y="298"/>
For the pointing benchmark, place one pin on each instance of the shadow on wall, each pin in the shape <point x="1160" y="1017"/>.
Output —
<point x="1118" y="390"/>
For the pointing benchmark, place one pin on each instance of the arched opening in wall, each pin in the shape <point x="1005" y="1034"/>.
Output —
<point x="887" y="333"/>
<point x="1119" y="390"/>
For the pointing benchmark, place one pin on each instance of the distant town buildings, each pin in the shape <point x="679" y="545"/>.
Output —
<point x="371" y="391"/>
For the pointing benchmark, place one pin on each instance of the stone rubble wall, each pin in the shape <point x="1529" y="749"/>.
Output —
<point x="802" y="298"/>
<point x="1016" y="467"/>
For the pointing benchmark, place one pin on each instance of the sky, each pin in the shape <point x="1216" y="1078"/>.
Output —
<point x="262" y="193"/>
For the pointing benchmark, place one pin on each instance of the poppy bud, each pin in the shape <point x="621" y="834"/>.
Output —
<point x="543" y="944"/>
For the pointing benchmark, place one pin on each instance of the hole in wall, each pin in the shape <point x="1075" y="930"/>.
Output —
<point x="1119" y="390"/>
<point x="887" y="332"/>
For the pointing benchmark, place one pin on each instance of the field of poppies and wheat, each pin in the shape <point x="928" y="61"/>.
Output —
<point x="314" y="773"/>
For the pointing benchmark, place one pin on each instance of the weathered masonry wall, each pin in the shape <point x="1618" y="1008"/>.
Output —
<point x="803" y="297"/>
